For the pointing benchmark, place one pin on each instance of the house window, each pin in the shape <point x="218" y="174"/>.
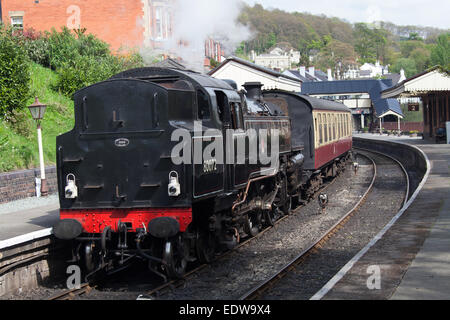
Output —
<point x="17" y="22"/>
<point x="159" y="29"/>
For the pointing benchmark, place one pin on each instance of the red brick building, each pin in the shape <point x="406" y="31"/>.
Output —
<point x="123" y="24"/>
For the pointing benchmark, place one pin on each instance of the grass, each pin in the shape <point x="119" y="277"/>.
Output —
<point x="18" y="139"/>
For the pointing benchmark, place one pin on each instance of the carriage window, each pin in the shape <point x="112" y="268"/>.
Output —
<point x="325" y="127"/>
<point x="347" y="126"/>
<point x="333" y="132"/>
<point x="320" y="130"/>
<point x="202" y="105"/>
<point x="330" y="127"/>
<point x="315" y="130"/>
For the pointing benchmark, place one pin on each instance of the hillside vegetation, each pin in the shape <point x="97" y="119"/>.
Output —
<point x="50" y="66"/>
<point x="337" y="44"/>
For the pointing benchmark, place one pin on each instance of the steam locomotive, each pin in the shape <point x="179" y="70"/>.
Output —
<point x="173" y="166"/>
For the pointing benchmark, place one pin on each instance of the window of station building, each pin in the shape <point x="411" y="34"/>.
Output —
<point x="17" y="22"/>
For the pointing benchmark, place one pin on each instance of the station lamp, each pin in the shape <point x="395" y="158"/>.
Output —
<point x="37" y="111"/>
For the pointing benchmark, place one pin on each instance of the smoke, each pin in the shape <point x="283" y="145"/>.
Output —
<point x="195" y="21"/>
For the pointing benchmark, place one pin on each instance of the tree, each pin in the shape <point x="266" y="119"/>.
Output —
<point x="407" y="64"/>
<point x="440" y="54"/>
<point x="364" y="43"/>
<point x="14" y="73"/>
<point x="414" y="36"/>
<point x="370" y="43"/>
<point x="421" y="57"/>
<point x="336" y="55"/>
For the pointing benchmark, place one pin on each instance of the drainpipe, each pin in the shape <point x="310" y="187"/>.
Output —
<point x="1" y="17"/>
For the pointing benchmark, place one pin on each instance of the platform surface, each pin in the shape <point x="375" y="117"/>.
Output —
<point x="413" y="256"/>
<point x="24" y="216"/>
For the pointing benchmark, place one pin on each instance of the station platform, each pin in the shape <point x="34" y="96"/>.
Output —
<point x="411" y="259"/>
<point x="27" y="218"/>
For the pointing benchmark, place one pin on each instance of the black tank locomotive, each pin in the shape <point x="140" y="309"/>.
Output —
<point x="123" y="195"/>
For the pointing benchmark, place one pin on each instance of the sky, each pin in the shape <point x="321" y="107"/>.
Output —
<point x="427" y="13"/>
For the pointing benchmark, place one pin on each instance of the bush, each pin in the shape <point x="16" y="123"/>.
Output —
<point x="87" y="70"/>
<point x="14" y="73"/>
<point x="79" y="59"/>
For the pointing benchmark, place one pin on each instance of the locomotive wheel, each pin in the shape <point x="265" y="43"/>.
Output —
<point x="205" y="247"/>
<point x="271" y="216"/>
<point x="88" y="257"/>
<point x="175" y="256"/>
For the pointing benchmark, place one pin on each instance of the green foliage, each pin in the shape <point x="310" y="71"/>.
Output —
<point x="440" y="54"/>
<point x="407" y="64"/>
<point x="80" y="59"/>
<point x="14" y="74"/>
<point x="421" y="57"/>
<point x="406" y="47"/>
<point x="336" y="55"/>
<point x="415" y="36"/>
<point x="18" y="138"/>
<point x="370" y="42"/>
<point x="311" y="35"/>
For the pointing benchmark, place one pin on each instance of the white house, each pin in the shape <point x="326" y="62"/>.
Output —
<point x="367" y="70"/>
<point x="242" y="71"/>
<point x="281" y="57"/>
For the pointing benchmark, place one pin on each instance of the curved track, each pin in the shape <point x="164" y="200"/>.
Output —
<point x="266" y="286"/>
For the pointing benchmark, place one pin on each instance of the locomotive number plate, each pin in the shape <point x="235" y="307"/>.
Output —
<point x="122" y="142"/>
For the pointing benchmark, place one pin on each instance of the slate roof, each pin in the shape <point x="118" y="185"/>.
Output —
<point x="372" y="87"/>
<point x="254" y="66"/>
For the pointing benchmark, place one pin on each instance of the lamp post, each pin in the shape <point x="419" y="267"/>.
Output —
<point x="37" y="111"/>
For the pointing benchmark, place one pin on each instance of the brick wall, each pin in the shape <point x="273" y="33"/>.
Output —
<point x="22" y="184"/>
<point x="120" y="23"/>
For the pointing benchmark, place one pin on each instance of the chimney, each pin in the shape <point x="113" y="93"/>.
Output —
<point x="311" y="71"/>
<point x="402" y="76"/>
<point x="253" y="90"/>
<point x="303" y="71"/>
<point x="330" y="76"/>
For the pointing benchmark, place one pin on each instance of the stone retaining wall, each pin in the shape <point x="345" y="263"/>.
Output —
<point x="22" y="184"/>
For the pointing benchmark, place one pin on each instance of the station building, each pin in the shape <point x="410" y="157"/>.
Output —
<point x="242" y="71"/>
<point x="363" y="97"/>
<point x="433" y="88"/>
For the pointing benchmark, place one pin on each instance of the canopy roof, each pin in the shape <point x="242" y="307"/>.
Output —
<point x="435" y="79"/>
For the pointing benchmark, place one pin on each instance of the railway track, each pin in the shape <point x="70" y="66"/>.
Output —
<point x="70" y="294"/>
<point x="261" y="289"/>
<point x="180" y="282"/>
